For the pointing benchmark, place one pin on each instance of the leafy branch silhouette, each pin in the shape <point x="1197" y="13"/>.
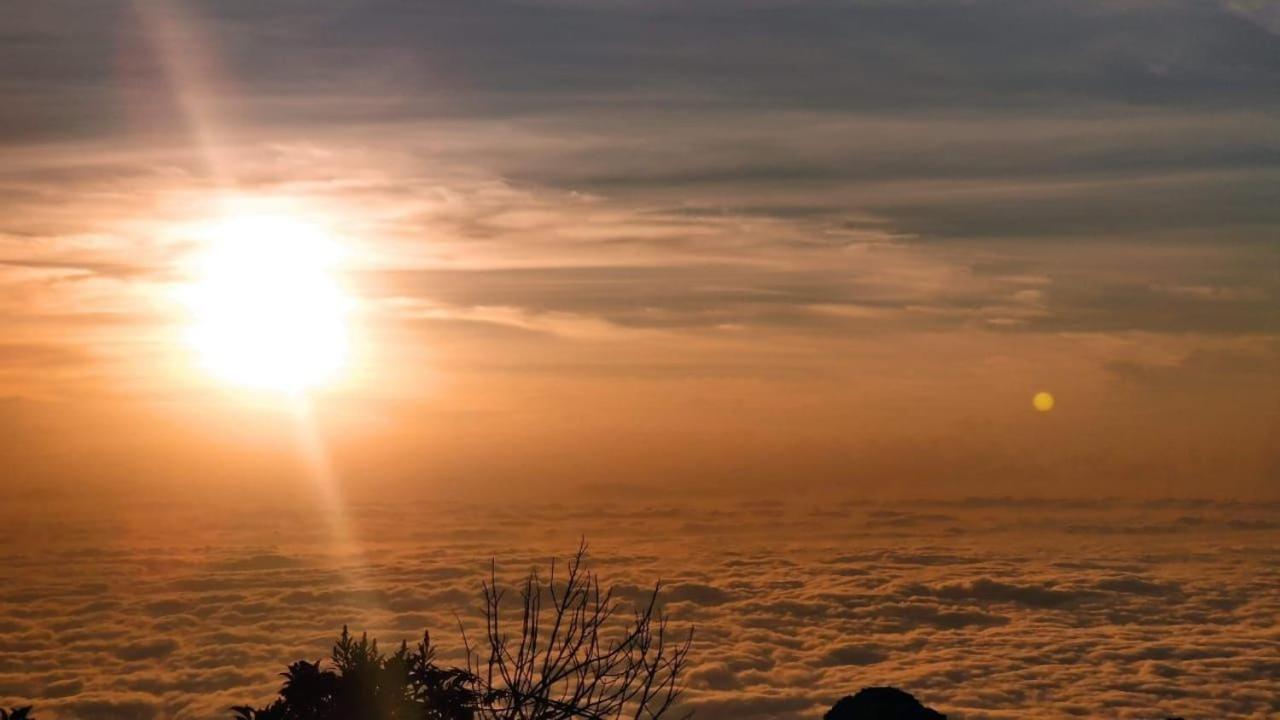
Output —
<point x="569" y="659"/>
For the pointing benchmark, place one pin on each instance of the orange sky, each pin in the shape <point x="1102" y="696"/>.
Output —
<point x="611" y="277"/>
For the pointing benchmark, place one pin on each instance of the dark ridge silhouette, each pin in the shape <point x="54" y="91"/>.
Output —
<point x="365" y="685"/>
<point x="881" y="703"/>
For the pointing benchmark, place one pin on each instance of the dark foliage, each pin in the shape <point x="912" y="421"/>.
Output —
<point x="18" y="713"/>
<point x="364" y="684"/>
<point x="568" y="660"/>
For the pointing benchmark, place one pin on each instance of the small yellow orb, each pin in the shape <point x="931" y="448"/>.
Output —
<point x="1042" y="401"/>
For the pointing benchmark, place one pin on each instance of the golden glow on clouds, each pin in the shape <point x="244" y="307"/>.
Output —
<point x="266" y="309"/>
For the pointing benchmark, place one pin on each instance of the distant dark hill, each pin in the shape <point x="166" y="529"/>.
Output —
<point x="881" y="703"/>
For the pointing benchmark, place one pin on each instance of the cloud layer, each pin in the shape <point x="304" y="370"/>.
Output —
<point x="985" y="608"/>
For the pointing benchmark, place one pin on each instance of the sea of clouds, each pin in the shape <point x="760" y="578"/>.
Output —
<point x="983" y="608"/>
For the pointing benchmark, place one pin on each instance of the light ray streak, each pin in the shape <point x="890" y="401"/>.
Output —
<point x="189" y="64"/>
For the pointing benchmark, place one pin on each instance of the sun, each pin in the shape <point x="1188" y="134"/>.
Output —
<point x="267" y="311"/>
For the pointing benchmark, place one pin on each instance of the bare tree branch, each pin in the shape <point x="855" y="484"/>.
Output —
<point x="575" y="665"/>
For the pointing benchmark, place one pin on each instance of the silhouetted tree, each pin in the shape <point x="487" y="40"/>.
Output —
<point x="18" y="713"/>
<point x="364" y="684"/>
<point x="564" y="663"/>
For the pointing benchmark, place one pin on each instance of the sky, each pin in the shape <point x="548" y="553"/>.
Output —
<point x="931" y="343"/>
<point x="717" y="249"/>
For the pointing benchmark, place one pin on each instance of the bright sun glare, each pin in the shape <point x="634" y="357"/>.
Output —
<point x="267" y="311"/>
